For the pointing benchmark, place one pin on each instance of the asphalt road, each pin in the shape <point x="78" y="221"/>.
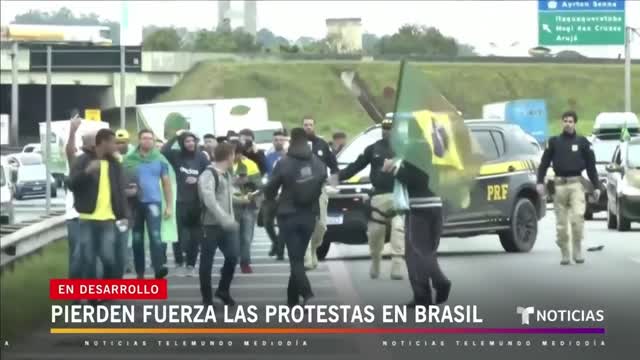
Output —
<point x="28" y="209"/>
<point x="482" y="274"/>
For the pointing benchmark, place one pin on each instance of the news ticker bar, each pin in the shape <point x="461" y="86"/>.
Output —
<point x="296" y="331"/>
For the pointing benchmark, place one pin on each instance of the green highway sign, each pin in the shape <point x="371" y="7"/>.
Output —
<point x="581" y="22"/>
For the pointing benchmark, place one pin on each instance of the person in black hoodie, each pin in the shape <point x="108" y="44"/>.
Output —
<point x="188" y="163"/>
<point x="97" y="182"/>
<point x="301" y="175"/>
<point x="423" y="227"/>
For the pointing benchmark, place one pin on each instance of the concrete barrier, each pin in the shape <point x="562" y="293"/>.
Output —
<point x="31" y="238"/>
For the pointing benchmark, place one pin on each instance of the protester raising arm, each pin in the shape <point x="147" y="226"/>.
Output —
<point x="70" y="148"/>
<point x="168" y="151"/>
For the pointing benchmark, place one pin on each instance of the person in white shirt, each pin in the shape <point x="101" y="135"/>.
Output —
<point x="76" y="268"/>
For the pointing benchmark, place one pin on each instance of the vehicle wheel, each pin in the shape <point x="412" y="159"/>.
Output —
<point x="588" y="215"/>
<point x="323" y="249"/>
<point x="523" y="230"/>
<point x="612" y="222"/>
<point x="624" y="224"/>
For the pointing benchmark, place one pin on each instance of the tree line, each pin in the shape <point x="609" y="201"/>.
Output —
<point x="408" y="40"/>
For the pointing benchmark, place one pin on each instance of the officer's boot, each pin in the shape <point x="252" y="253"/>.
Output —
<point x="577" y="252"/>
<point x="374" y="271"/>
<point x="397" y="268"/>
<point x="565" y="256"/>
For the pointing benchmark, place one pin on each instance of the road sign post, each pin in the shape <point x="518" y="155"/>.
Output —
<point x="580" y="22"/>
<point x="93" y="114"/>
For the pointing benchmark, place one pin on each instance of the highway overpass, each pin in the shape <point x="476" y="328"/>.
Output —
<point x="88" y="77"/>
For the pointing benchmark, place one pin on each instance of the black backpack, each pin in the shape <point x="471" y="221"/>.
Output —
<point x="307" y="183"/>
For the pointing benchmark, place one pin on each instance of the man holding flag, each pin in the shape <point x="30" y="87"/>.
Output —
<point x="434" y="167"/>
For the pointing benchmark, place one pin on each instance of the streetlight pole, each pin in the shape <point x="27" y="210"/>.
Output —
<point x="627" y="69"/>
<point x="47" y="144"/>
<point x="122" y="87"/>
<point x="123" y="28"/>
<point x="13" y="139"/>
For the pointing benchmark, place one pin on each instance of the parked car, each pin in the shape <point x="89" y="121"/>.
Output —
<point x="16" y="160"/>
<point x="603" y="150"/>
<point x="6" y="194"/>
<point x="31" y="181"/>
<point x="511" y="159"/>
<point x="623" y="186"/>
<point x="32" y="148"/>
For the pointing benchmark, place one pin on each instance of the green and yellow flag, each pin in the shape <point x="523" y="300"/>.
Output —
<point x="430" y="133"/>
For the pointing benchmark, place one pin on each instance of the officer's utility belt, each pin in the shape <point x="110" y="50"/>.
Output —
<point x="559" y="180"/>
<point x="387" y="215"/>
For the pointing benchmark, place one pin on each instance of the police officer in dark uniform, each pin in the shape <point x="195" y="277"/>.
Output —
<point x="322" y="150"/>
<point x="570" y="154"/>
<point x="382" y="214"/>
<point x="423" y="227"/>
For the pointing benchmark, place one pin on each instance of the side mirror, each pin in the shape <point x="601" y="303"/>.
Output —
<point x="613" y="168"/>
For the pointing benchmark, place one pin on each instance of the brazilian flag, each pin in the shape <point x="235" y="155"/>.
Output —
<point x="430" y="133"/>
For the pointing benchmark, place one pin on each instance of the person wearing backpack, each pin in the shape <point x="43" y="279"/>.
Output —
<point x="215" y="189"/>
<point x="301" y="175"/>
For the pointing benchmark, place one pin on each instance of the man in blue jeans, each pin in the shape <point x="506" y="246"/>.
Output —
<point x="152" y="172"/>
<point x="248" y="181"/>
<point x="215" y="189"/>
<point x="97" y="182"/>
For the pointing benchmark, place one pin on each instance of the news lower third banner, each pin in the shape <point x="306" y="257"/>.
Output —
<point x="150" y="314"/>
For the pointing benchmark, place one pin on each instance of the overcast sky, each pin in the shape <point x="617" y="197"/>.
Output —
<point x="478" y="23"/>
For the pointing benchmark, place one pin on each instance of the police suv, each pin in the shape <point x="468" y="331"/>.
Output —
<point x="504" y="199"/>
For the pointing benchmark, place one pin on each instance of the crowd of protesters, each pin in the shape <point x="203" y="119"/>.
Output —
<point x="194" y="198"/>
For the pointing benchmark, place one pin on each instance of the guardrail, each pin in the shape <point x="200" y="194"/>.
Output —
<point x="23" y="239"/>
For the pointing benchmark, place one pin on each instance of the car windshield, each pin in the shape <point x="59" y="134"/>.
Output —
<point x="353" y="150"/>
<point x="633" y="155"/>
<point x="604" y="150"/>
<point x="3" y="181"/>
<point x="32" y="173"/>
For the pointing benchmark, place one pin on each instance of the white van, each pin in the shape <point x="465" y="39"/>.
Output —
<point x="610" y="124"/>
<point x="6" y="193"/>
<point x="213" y="116"/>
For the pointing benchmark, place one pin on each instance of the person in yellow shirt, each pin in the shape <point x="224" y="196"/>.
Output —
<point x="248" y="182"/>
<point x="97" y="182"/>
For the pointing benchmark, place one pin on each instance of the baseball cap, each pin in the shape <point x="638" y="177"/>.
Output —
<point x="122" y="134"/>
